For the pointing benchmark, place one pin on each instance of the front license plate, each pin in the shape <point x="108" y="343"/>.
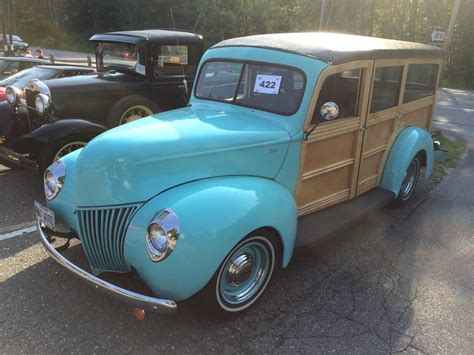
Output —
<point x="45" y="215"/>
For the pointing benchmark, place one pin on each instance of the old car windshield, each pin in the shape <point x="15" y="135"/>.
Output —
<point x="262" y="86"/>
<point x="22" y="78"/>
<point x="120" y="56"/>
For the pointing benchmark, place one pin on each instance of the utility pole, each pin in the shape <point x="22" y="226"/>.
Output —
<point x="452" y="22"/>
<point x="324" y="14"/>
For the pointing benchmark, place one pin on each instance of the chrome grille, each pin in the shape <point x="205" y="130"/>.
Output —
<point x="102" y="233"/>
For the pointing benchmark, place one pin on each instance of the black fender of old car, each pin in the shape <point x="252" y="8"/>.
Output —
<point x="54" y="131"/>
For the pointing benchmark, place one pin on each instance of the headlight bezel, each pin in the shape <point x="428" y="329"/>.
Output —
<point x="12" y="95"/>
<point x="45" y="101"/>
<point x="54" y="179"/>
<point x="165" y="224"/>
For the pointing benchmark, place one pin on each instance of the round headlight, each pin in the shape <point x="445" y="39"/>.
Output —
<point x="162" y="235"/>
<point x="54" y="178"/>
<point x="42" y="103"/>
<point x="158" y="237"/>
<point x="12" y="95"/>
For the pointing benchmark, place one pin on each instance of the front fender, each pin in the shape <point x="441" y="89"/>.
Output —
<point x="409" y="143"/>
<point x="214" y="214"/>
<point x="62" y="128"/>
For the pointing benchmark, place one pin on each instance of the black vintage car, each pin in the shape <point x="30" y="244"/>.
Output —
<point x="139" y="73"/>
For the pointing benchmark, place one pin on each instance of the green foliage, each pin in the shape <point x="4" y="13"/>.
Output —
<point x="455" y="151"/>
<point x="69" y="23"/>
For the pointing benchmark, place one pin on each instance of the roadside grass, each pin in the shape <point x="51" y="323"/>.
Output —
<point x="455" y="150"/>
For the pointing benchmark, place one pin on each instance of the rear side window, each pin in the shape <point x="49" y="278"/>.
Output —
<point x="168" y="60"/>
<point x="386" y="91"/>
<point x="421" y="81"/>
<point x="343" y="89"/>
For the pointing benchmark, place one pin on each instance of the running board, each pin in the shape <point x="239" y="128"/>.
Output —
<point x="318" y="225"/>
<point x="15" y="158"/>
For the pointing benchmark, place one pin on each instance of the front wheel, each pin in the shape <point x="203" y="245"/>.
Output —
<point x="54" y="151"/>
<point x="244" y="274"/>
<point x="410" y="181"/>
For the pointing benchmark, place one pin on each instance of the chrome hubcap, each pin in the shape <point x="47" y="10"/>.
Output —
<point x="240" y="269"/>
<point x="409" y="179"/>
<point x="134" y="113"/>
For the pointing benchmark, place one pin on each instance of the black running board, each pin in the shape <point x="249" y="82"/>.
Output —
<point x="17" y="159"/>
<point x="318" y="225"/>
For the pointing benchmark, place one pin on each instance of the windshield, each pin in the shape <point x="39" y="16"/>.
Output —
<point x="267" y="87"/>
<point x="22" y="78"/>
<point x="121" y="56"/>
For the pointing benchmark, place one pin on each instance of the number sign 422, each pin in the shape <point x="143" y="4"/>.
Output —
<point x="267" y="84"/>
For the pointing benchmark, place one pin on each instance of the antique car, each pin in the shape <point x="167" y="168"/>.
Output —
<point x="14" y="123"/>
<point x="41" y="72"/>
<point x="287" y="138"/>
<point x="139" y="73"/>
<point x="18" y="45"/>
<point x="12" y="65"/>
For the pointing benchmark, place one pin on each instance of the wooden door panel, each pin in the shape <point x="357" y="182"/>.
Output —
<point x="325" y="189"/>
<point x="337" y="144"/>
<point x="330" y="157"/>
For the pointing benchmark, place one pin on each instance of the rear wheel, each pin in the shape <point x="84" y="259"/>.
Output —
<point x="409" y="182"/>
<point x="131" y="108"/>
<point x="244" y="274"/>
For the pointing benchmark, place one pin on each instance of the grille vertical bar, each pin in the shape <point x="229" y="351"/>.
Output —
<point x="102" y="233"/>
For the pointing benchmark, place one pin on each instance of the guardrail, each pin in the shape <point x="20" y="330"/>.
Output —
<point x="88" y="61"/>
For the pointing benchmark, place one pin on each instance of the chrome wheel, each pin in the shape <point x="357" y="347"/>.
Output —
<point x="134" y="113"/>
<point x="68" y="148"/>
<point x="410" y="179"/>
<point x="245" y="274"/>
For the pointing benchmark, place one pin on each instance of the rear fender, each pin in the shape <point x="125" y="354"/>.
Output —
<point x="409" y="142"/>
<point x="214" y="215"/>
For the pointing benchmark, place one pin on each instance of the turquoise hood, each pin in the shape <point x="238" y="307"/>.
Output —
<point x="134" y="162"/>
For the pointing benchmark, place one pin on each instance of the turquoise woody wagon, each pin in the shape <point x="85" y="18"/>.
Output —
<point x="286" y="138"/>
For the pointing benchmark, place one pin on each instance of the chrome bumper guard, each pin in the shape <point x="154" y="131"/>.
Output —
<point x="127" y="296"/>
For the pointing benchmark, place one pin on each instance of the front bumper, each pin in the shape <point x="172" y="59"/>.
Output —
<point x="127" y="296"/>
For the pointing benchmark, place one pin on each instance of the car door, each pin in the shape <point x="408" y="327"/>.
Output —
<point x="382" y="119"/>
<point x="330" y="155"/>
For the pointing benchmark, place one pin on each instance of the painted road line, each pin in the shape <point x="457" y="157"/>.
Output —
<point x="17" y="233"/>
<point x="15" y="227"/>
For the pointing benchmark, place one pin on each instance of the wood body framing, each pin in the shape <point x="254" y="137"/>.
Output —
<point x="344" y="158"/>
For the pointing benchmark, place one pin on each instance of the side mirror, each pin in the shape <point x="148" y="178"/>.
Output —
<point x="329" y="111"/>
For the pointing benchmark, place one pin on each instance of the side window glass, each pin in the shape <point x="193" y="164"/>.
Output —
<point x="386" y="91"/>
<point x="421" y="81"/>
<point x="173" y="60"/>
<point x="343" y="89"/>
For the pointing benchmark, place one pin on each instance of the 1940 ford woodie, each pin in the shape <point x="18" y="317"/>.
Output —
<point x="286" y="138"/>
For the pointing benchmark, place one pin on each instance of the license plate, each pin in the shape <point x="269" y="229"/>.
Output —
<point x="45" y="215"/>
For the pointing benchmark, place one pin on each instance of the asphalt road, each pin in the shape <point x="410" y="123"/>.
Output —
<point x="400" y="281"/>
